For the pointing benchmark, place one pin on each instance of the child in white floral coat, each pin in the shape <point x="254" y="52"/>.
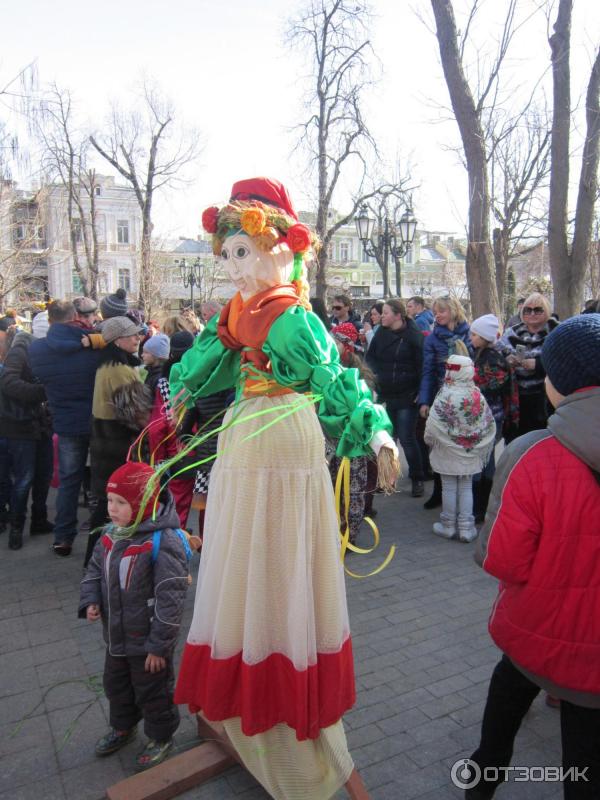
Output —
<point x="460" y="431"/>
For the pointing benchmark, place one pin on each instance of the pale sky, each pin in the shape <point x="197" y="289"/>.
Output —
<point x="231" y="76"/>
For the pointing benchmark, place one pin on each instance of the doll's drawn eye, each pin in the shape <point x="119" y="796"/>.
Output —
<point x="241" y="251"/>
<point x="224" y="253"/>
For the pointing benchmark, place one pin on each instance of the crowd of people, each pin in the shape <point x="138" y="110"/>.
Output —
<point x="86" y="402"/>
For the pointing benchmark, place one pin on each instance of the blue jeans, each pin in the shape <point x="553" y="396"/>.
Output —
<point x="404" y="421"/>
<point x="32" y="470"/>
<point x="72" y="455"/>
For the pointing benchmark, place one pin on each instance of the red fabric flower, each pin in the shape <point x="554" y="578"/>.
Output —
<point x="298" y="238"/>
<point x="209" y="219"/>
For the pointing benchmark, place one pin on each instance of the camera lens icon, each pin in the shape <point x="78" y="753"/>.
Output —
<point x="465" y="773"/>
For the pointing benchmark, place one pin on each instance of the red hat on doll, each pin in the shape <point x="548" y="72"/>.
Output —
<point x="265" y="190"/>
<point x="130" y="482"/>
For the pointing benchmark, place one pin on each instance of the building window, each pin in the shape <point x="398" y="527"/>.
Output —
<point x="20" y="233"/>
<point x="344" y="252"/>
<point x="123" y="231"/>
<point x="76" y="283"/>
<point x="98" y="191"/>
<point x="408" y="258"/>
<point x="125" y="279"/>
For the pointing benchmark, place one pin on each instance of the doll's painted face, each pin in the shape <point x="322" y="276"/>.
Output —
<point x="250" y="269"/>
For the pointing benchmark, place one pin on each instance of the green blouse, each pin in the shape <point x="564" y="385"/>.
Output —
<point x="304" y="358"/>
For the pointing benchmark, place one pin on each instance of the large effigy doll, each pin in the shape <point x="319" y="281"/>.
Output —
<point x="269" y="651"/>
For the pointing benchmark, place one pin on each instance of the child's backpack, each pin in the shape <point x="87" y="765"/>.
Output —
<point x="187" y="541"/>
<point x="156" y="536"/>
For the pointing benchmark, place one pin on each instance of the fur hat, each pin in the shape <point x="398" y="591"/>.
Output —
<point x="114" y="305"/>
<point x="85" y="305"/>
<point x="487" y="327"/>
<point x="130" y="482"/>
<point x="571" y="354"/>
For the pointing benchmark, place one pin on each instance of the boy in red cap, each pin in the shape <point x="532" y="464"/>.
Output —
<point x="135" y="583"/>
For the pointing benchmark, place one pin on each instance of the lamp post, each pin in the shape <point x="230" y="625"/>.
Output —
<point x="191" y="275"/>
<point x="394" y="238"/>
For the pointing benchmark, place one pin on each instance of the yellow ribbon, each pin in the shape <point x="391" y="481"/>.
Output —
<point x="342" y="481"/>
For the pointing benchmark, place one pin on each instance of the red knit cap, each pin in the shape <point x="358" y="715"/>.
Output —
<point x="346" y="329"/>
<point x="130" y="482"/>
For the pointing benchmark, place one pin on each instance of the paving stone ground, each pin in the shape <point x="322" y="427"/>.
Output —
<point x="422" y="654"/>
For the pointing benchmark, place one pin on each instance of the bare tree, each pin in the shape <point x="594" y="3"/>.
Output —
<point x="569" y="265"/>
<point x="519" y="167"/>
<point x="22" y="234"/>
<point x="64" y="159"/>
<point x="144" y="149"/>
<point x="469" y="114"/>
<point x="338" y="140"/>
<point x="22" y="241"/>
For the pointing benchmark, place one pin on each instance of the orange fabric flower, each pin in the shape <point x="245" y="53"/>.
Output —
<point x="253" y="221"/>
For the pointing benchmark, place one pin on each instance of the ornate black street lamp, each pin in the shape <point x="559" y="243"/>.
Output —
<point x="191" y="275"/>
<point x="394" y="238"/>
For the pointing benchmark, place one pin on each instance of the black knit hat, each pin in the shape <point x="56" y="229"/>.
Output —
<point x="571" y="354"/>
<point x="180" y="342"/>
<point x="114" y="305"/>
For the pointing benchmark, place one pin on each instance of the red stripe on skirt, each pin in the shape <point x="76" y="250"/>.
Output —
<point x="270" y="692"/>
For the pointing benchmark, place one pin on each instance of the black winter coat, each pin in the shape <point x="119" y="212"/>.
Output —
<point x="396" y="358"/>
<point x="141" y="601"/>
<point x="23" y="410"/>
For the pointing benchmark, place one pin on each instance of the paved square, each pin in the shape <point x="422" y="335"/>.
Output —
<point x="422" y="654"/>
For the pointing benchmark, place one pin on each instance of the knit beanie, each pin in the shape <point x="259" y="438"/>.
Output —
<point x="486" y="327"/>
<point x="114" y="305"/>
<point x="346" y="329"/>
<point x="571" y="354"/>
<point x="158" y="346"/>
<point x="180" y="342"/>
<point x="130" y="482"/>
<point x="40" y="325"/>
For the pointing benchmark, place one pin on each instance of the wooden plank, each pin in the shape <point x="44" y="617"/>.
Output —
<point x="215" y="731"/>
<point x="175" y="775"/>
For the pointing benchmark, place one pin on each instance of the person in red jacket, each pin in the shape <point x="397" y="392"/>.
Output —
<point x="541" y="539"/>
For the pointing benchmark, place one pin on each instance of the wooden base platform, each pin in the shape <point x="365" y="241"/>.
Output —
<point x="196" y="766"/>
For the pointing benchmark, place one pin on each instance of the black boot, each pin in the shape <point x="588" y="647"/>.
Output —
<point x="40" y="525"/>
<point x="481" y="498"/>
<point x="15" y="534"/>
<point x="435" y="501"/>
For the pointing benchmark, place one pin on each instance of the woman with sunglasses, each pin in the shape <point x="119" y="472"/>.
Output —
<point x="522" y="345"/>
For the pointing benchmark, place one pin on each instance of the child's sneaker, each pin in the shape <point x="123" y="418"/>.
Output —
<point x="154" y="753"/>
<point x="113" y="741"/>
<point x="441" y="530"/>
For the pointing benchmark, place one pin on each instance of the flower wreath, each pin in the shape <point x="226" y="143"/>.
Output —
<point x="267" y="225"/>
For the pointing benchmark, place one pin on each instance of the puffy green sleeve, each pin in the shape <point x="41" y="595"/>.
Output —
<point x="304" y="357"/>
<point x="207" y="367"/>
